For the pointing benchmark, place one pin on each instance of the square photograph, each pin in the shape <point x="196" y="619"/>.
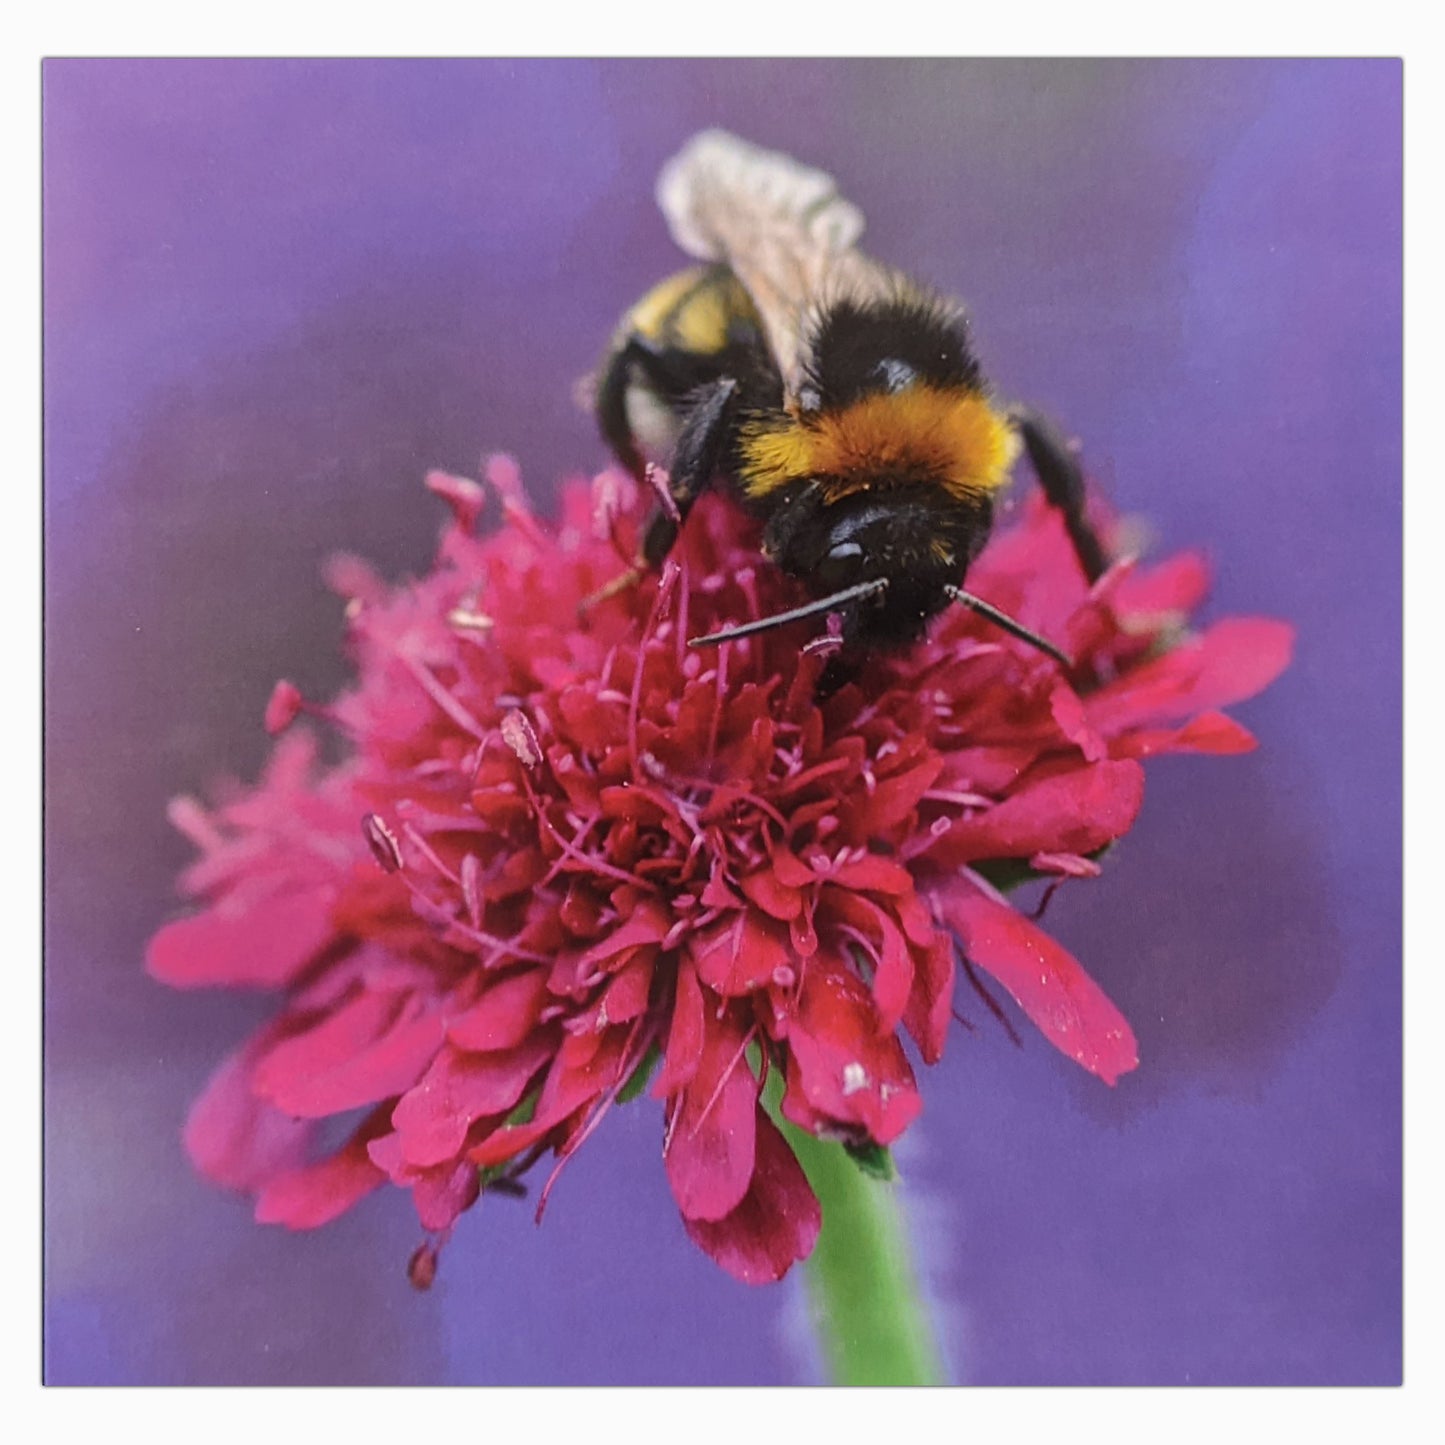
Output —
<point x="722" y="722"/>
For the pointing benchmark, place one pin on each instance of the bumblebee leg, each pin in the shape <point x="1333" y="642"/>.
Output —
<point x="611" y="404"/>
<point x="839" y="670"/>
<point x="1063" y="483"/>
<point x="695" y="461"/>
<point x="616" y="428"/>
<point x="696" y="458"/>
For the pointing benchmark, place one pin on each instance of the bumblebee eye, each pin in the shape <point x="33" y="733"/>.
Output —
<point x="841" y="566"/>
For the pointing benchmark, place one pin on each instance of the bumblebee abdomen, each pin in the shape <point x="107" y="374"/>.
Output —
<point x="687" y="332"/>
<point x="700" y="312"/>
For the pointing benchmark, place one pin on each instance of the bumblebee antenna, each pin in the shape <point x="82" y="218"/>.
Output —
<point x="1007" y="624"/>
<point x="780" y="619"/>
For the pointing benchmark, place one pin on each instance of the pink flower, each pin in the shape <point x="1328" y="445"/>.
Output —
<point x="569" y="858"/>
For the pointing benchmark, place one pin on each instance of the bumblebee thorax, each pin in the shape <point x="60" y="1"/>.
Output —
<point x="946" y="437"/>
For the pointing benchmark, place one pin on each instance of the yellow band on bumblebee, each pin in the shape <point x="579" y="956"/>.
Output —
<point x="952" y="436"/>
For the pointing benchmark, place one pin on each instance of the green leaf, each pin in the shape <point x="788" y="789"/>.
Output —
<point x="1005" y="873"/>
<point x="875" y="1160"/>
<point x="640" y="1075"/>
<point x="492" y="1171"/>
<point x="1009" y="873"/>
<point x="525" y="1111"/>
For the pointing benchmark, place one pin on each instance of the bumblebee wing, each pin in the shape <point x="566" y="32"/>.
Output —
<point x="782" y="227"/>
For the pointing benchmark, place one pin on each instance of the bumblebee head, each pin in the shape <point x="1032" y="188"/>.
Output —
<point x="887" y="561"/>
<point x="910" y="546"/>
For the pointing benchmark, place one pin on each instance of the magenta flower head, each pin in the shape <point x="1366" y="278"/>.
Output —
<point x="566" y="860"/>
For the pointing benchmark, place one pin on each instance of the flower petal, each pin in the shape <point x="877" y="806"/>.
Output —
<point x="844" y="1076"/>
<point x="930" y="1004"/>
<point x="893" y="975"/>
<point x="1074" y="811"/>
<point x="585" y="1066"/>
<point x="890" y="803"/>
<point x="709" y="1153"/>
<point x="772" y="895"/>
<point x="1068" y="711"/>
<point x="873" y="874"/>
<point x="369" y="1048"/>
<point x="776" y="1223"/>
<point x="1233" y="660"/>
<point x="1176" y="585"/>
<point x="260" y="935"/>
<point x="441" y="1195"/>
<point x="503" y="1016"/>
<point x="648" y="924"/>
<point x="236" y="1138"/>
<point x="318" y="1193"/>
<point x="440" y="1192"/>
<point x="1062" y="1001"/>
<point x="685" y="1038"/>
<point x="432" y="1119"/>
<point x="1210" y="732"/>
<point x="741" y="954"/>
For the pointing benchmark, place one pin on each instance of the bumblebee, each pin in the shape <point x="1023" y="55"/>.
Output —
<point x="833" y="397"/>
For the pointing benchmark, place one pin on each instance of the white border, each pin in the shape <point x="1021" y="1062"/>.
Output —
<point x="910" y="28"/>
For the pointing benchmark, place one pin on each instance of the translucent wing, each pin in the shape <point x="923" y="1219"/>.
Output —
<point x="782" y="227"/>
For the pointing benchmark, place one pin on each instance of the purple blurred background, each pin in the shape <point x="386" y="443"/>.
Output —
<point x="277" y="292"/>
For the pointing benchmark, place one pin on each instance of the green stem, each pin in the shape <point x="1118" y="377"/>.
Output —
<point x="869" y="1314"/>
